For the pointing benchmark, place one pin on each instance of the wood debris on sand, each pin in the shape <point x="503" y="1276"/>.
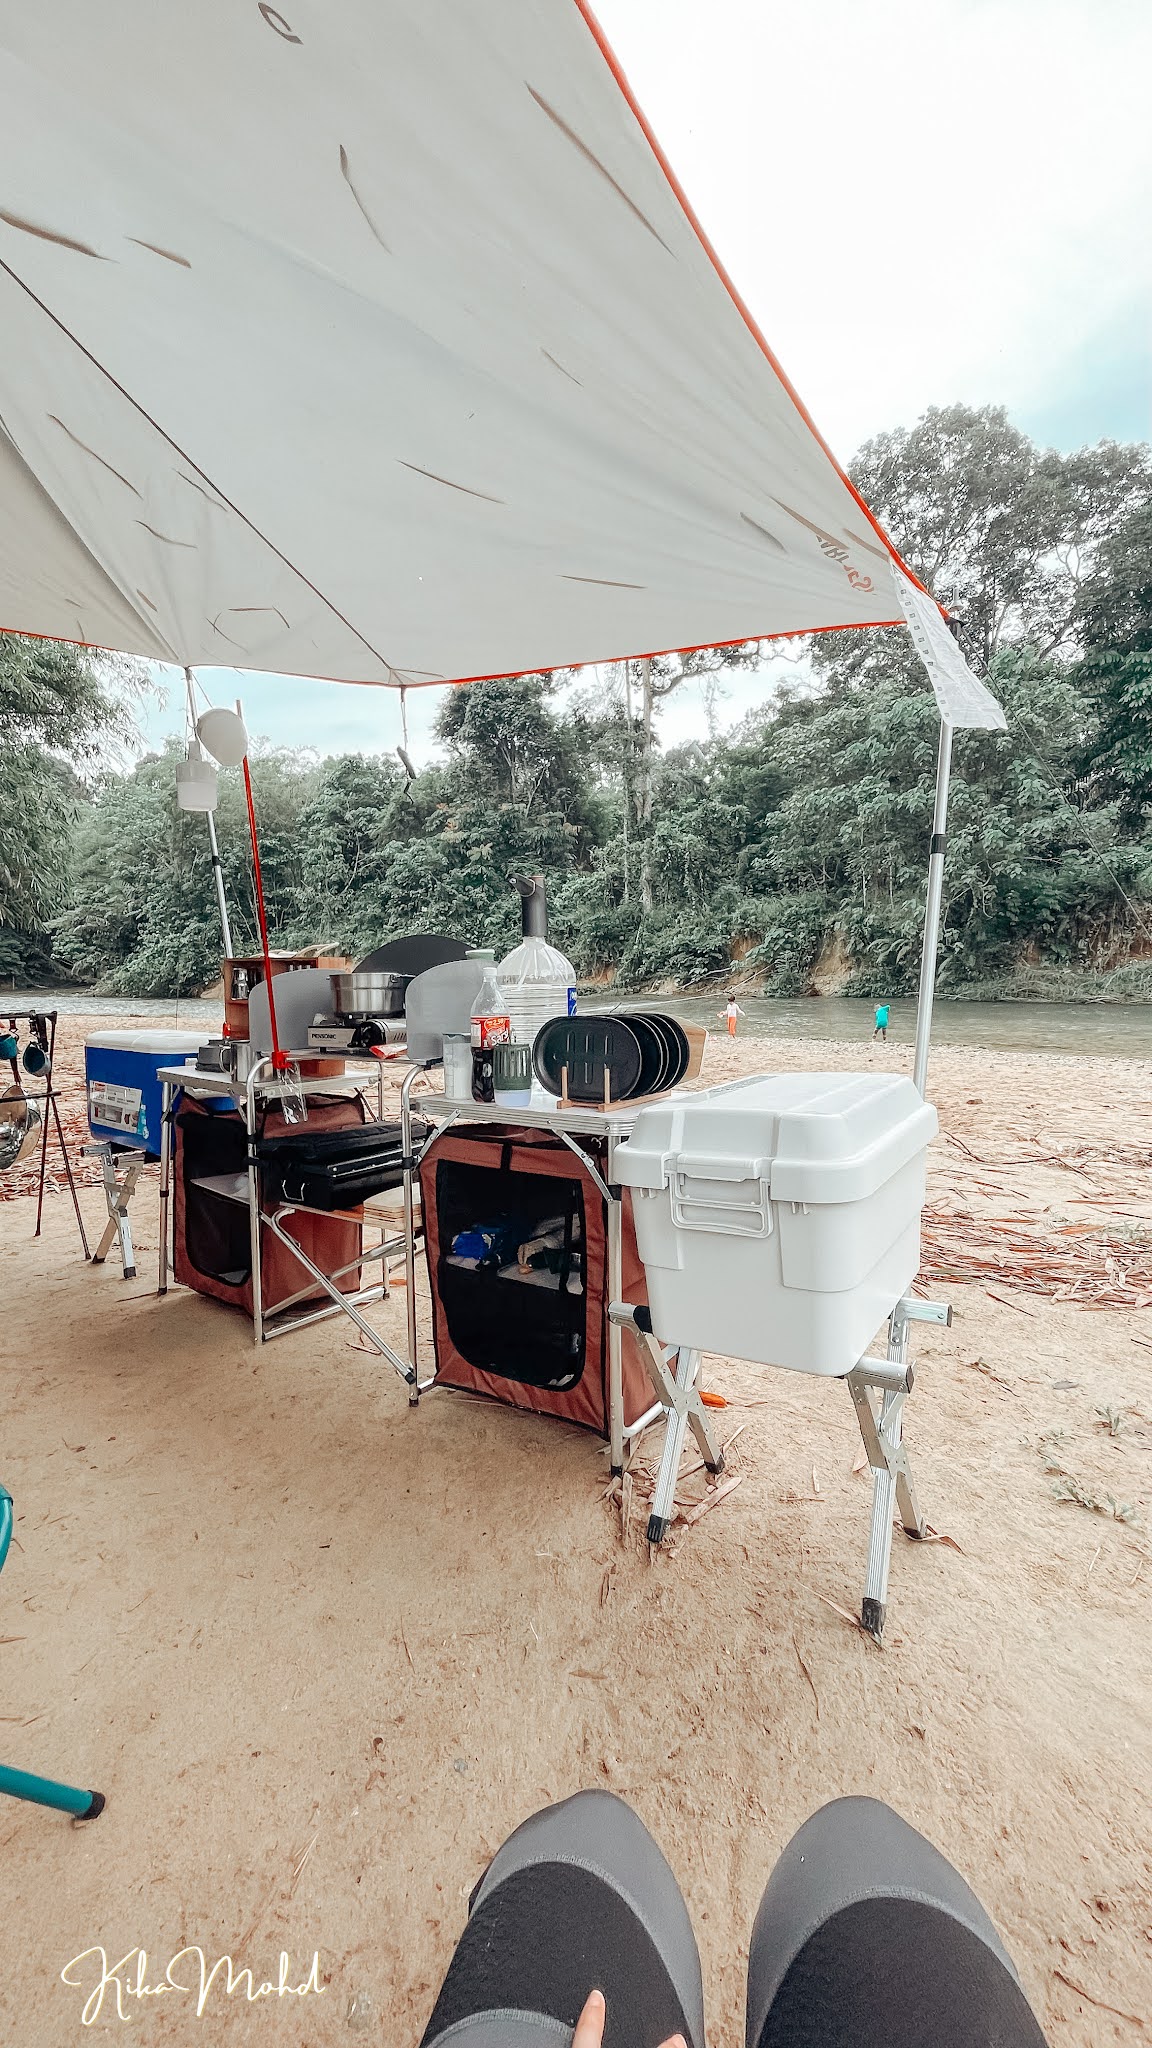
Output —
<point x="1093" y="1268"/>
<point x="632" y="1495"/>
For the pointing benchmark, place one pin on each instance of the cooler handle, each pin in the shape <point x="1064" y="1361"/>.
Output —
<point x="720" y="1210"/>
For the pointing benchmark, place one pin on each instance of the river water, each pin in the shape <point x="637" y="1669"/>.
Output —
<point x="1119" y="1030"/>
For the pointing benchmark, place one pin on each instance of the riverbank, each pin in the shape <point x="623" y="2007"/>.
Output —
<point x="1129" y="983"/>
<point x="322" y="1653"/>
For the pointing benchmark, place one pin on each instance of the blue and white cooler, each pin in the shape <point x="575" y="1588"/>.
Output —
<point x="124" y="1094"/>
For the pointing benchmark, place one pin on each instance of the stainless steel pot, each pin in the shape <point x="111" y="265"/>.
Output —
<point x="369" y="995"/>
<point x="19" y="1122"/>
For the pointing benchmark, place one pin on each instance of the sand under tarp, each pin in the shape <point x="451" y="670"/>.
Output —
<point x="321" y="1654"/>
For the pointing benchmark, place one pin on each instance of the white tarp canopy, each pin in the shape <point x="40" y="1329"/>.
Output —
<point x="377" y="342"/>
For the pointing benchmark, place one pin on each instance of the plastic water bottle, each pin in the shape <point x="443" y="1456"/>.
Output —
<point x="537" y="981"/>
<point x="490" y="1027"/>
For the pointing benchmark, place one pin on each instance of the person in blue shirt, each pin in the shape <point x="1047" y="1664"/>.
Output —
<point x="880" y="1030"/>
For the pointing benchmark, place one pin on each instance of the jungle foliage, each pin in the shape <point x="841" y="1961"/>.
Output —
<point x="792" y="846"/>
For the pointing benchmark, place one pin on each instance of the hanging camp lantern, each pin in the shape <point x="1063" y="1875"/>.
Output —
<point x="196" y="781"/>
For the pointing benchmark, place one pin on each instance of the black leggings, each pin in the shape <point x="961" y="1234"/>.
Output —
<point x="866" y="1938"/>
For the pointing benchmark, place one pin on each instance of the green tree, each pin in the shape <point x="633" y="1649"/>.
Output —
<point x="645" y="687"/>
<point x="59" y="710"/>
<point x="1116" y="671"/>
<point x="144" y="919"/>
<point x="1017" y="543"/>
<point x="359" y="805"/>
<point x="1002" y="532"/>
<point x="524" y="786"/>
<point x="799" y="839"/>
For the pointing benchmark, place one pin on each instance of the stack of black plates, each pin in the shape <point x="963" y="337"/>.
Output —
<point x="611" y="1058"/>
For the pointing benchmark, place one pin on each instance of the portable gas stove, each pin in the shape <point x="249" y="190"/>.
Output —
<point x="351" y="1032"/>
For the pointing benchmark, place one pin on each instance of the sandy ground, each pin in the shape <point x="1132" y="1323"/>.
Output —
<point x="322" y="1653"/>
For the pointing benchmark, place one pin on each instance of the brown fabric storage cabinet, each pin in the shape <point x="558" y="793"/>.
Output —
<point x="212" y="1238"/>
<point x="527" y="1346"/>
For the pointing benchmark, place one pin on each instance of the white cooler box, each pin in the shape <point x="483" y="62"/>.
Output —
<point x="778" y="1218"/>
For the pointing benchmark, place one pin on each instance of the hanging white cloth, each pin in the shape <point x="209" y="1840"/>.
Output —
<point x="962" y="699"/>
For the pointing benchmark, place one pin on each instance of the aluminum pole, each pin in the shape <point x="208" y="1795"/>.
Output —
<point x="410" y="1231"/>
<point x="936" y="853"/>
<point x="221" y="899"/>
<point x="217" y="869"/>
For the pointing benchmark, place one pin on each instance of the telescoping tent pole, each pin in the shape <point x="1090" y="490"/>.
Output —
<point x="221" y="899"/>
<point x="217" y="868"/>
<point x="936" y="854"/>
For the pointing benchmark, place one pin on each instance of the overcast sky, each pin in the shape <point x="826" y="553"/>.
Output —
<point x="922" y="201"/>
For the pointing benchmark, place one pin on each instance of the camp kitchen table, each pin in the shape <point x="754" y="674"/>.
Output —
<point x="264" y="1086"/>
<point x="569" y="1122"/>
<point x="878" y="1385"/>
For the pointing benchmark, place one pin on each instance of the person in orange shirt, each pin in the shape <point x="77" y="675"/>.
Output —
<point x="731" y="1010"/>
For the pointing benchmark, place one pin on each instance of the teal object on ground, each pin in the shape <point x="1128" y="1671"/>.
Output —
<point x="25" y="1784"/>
<point x="46" y="1792"/>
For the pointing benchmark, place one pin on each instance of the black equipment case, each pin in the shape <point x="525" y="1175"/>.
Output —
<point x="334" y="1169"/>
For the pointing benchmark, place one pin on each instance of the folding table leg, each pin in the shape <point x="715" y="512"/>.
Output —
<point x="165" y="1183"/>
<point x="127" y="1254"/>
<point x="127" y="1190"/>
<point x="409" y="1229"/>
<point x="274" y="1222"/>
<point x="117" y="1195"/>
<point x="108" y="1182"/>
<point x="615" y="1235"/>
<point x="699" y="1425"/>
<point x="111" y="1230"/>
<point x="105" y="1245"/>
<point x="679" y="1397"/>
<point x="879" y="1389"/>
<point x="665" y="1494"/>
<point x="682" y="1402"/>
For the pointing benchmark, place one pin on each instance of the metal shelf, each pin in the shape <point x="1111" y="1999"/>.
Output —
<point x="577" y="1117"/>
<point x="195" y="1081"/>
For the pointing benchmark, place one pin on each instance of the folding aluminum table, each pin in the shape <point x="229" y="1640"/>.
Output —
<point x="263" y="1086"/>
<point x="568" y="1122"/>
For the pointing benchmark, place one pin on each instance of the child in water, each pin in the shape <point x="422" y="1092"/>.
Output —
<point x="880" y="1030"/>
<point x="731" y="1010"/>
